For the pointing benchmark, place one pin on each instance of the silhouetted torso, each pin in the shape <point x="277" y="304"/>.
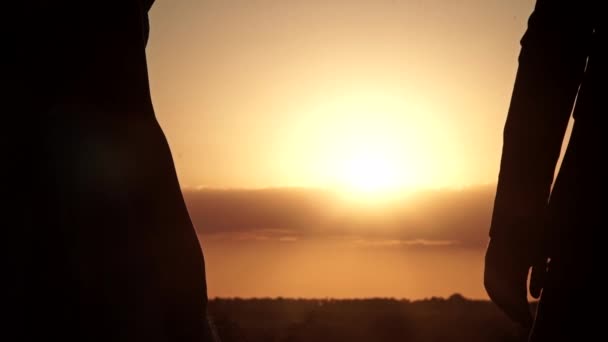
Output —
<point x="563" y="49"/>
<point x="107" y="249"/>
<point x="576" y="198"/>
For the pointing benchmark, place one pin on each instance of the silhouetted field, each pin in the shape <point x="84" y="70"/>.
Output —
<point x="369" y="320"/>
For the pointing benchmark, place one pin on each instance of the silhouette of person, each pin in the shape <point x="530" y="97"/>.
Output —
<point x="548" y="228"/>
<point x="104" y="249"/>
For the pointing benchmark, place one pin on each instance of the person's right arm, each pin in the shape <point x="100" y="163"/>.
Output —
<point x="551" y="65"/>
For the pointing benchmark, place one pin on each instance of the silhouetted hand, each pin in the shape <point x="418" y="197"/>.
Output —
<point x="507" y="264"/>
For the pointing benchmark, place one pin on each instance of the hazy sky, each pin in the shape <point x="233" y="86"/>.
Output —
<point x="307" y="243"/>
<point x="376" y="93"/>
<point x="298" y="95"/>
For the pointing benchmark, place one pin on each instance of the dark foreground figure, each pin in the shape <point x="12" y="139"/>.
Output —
<point x="562" y="71"/>
<point x="103" y="248"/>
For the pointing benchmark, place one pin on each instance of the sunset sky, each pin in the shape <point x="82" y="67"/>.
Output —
<point x="360" y="96"/>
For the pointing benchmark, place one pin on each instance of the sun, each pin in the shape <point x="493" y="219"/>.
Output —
<point x="369" y="171"/>
<point x="369" y="145"/>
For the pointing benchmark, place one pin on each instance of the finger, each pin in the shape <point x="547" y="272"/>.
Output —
<point x="537" y="279"/>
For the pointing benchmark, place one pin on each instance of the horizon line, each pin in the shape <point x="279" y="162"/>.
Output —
<point x="453" y="296"/>
<point x="333" y="188"/>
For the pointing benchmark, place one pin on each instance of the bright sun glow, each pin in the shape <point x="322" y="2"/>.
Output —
<point x="370" y="145"/>
<point x="370" y="171"/>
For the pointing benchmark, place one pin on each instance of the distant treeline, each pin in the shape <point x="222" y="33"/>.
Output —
<point x="370" y="319"/>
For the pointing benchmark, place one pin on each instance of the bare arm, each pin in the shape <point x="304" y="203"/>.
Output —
<point x="551" y="64"/>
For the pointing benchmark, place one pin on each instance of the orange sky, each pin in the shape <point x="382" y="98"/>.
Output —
<point x="353" y="94"/>
<point x="307" y="243"/>
<point x="258" y="93"/>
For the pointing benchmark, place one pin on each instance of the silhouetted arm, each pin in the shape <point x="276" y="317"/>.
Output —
<point x="551" y="64"/>
<point x="147" y="5"/>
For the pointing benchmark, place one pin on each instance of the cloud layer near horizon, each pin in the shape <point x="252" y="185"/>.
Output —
<point x="426" y="218"/>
